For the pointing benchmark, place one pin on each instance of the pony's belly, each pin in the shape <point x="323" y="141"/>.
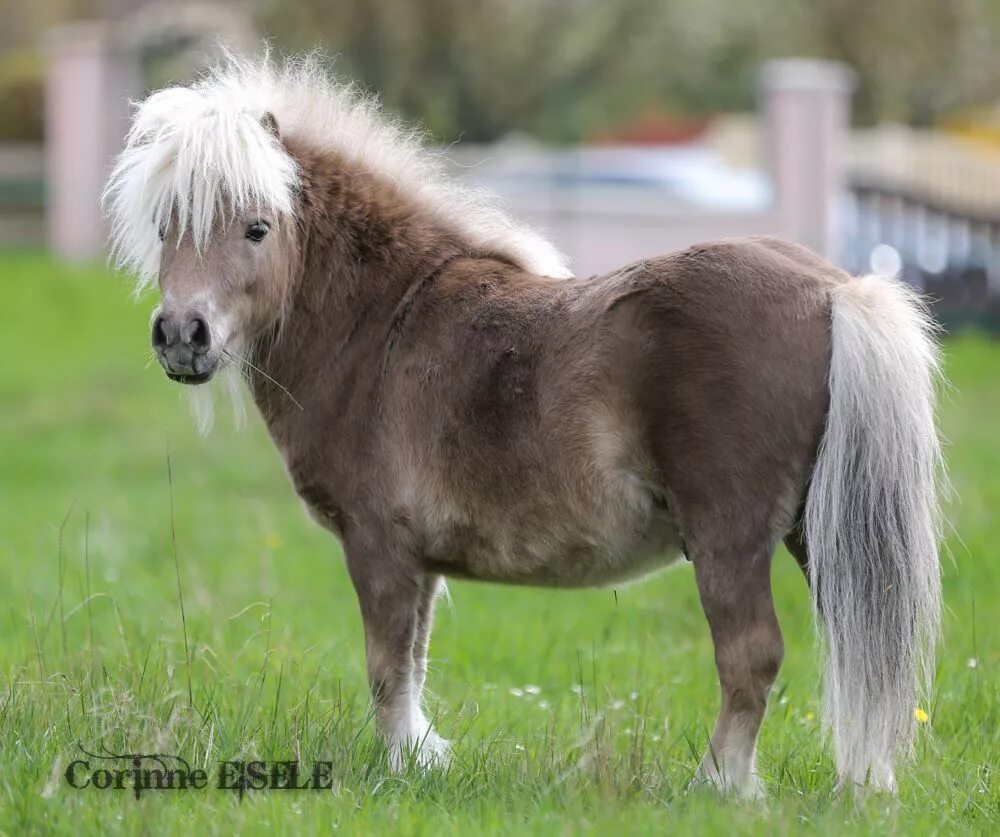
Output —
<point x="559" y="555"/>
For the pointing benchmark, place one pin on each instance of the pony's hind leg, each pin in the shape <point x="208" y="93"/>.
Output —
<point x="736" y="596"/>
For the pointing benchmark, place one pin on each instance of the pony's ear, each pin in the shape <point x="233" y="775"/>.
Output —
<point x="270" y="124"/>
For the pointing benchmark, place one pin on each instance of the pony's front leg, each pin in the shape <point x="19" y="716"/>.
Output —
<point x="396" y="602"/>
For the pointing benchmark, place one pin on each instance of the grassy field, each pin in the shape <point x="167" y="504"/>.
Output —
<point x="570" y="710"/>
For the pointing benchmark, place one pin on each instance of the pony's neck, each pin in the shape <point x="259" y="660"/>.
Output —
<point x="363" y="248"/>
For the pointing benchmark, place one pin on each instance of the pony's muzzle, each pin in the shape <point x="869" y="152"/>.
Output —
<point x="182" y="342"/>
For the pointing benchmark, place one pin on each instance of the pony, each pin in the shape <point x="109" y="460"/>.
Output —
<point x="450" y="401"/>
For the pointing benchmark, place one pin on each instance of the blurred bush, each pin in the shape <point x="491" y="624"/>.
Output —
<point x="22" y="102"/>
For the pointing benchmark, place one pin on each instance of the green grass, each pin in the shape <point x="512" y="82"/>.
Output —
<point x="626" y="684"/>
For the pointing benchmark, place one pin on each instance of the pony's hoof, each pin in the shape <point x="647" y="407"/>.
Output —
<point x="879" y="782"/>
<point x="428" y="752"/>
<point x="751" y="788"/>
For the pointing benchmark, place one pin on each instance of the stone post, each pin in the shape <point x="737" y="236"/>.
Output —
<point x="90" y="79"/>
<point x="806" y="107"/>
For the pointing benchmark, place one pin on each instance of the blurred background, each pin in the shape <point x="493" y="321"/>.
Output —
<point x="622" y="129"/>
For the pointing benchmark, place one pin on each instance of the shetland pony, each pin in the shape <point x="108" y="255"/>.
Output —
<point x="450" y="402"/>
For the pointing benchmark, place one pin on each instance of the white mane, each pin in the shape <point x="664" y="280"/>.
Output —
<point x="205" y="149"/>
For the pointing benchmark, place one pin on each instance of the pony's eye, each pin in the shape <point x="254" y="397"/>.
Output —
<point x="161" y="232"/>
<point x="257" y="230"/>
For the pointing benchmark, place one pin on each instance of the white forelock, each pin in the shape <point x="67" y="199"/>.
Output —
<point x="205" y="150"/>
<point x="198" y="151"/>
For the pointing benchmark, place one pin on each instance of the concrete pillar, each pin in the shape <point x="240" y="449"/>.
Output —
<point x="89" y="81"/>
<point x="806" y="105"/>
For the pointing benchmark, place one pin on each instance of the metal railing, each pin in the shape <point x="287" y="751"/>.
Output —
<point x="949" y="252"/>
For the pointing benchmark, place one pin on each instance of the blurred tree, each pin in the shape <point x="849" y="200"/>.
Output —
<point x="562" y="69"/>
<point x="565" y="70"/>
<point x="906" y="53"/>
<point x="21" y="102"/>
<point x="480" y="69"/>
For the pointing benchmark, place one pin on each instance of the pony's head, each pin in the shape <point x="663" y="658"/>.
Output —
<point x="220" y="291"/>
<point x="202" y="203"/>
<point x="206" y="200"/>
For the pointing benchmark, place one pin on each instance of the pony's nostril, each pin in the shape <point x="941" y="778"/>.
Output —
<point x="160" y="339"/>
<point x="198" y="335"/>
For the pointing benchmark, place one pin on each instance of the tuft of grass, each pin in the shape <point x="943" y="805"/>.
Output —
<point x="570" y="711"/>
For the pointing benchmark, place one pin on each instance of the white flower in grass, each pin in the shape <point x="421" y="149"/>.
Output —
<point x="532" y="689"/>
<point x="516" y="692"/>
<point x="972" y="662"/>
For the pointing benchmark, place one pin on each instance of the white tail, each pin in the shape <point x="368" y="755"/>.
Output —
<point x="871" y="525"/>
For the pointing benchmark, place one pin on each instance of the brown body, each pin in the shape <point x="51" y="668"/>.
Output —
<point x="505" y="427"/>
